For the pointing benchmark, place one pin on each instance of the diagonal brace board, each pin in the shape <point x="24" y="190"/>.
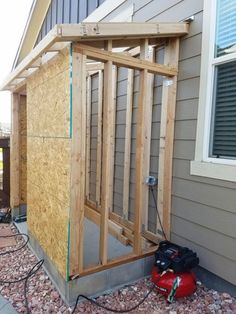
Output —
<point x="123" y="60"/>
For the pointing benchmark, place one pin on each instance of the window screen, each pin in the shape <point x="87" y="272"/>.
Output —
<point x="224" y="131"/>
<point x="223" y="139"/>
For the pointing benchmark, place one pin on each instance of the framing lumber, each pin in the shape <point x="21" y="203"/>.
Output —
<point x="94" y="32"/>
<point x="119" y="261"/>
<point x="147" y="53"/>
<point x="115" y="230"/>
<point x="88" y="135"/>
<point x="167" y="137"/>
<point x="99" y="139"/>
<point x="15" y="153"/>
<point x="140" y="156"/>
<point x="119" y="30"/>
<point x="107" y="156"/>
<point x="124" y="60"/>
<point x="128" y="128"/>
<point x="78" y="162"/>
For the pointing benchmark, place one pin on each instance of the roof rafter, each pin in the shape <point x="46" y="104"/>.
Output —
<point x="121" y="32"/>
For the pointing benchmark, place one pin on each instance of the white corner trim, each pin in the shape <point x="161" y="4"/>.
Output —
<point x="103" y="10"/>
<point x="124" y="16"/>
<point x="213" y="170"/>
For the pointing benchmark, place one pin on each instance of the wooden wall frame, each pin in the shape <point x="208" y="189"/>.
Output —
<point x="97" y="42"/>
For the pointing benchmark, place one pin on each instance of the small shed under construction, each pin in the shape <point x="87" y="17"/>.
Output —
<point x="81" y="173"/>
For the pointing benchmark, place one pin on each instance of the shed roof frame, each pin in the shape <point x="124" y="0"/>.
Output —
<point x="95" y="34"/>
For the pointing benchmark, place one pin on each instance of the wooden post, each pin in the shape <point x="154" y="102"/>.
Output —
<point x="140" y="187"/>
<point x="88" y="128"/>
<point x="147" y="53"/>
<point x="78" y="161"/>
<point x="167" y="136"/>
<point x="99" y="139"/>
<point x="107" y="155"/>
<point x="15" y="154"/>
<point x="128" y="128"/>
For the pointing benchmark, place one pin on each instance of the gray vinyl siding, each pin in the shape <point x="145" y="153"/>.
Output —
<point x="203" y="209"/>
<point x="93" y="138"/>
<point x="66" y="11"/>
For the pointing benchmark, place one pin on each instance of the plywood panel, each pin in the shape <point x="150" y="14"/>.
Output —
<point x="48" y="158"/>
<point x="48" y="96"/>
<point x="48" y="195"/>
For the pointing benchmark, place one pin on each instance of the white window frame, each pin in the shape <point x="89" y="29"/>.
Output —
<point x="203" y="165"/>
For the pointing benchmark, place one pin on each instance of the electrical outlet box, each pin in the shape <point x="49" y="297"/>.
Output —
<point x="151" y="181"/>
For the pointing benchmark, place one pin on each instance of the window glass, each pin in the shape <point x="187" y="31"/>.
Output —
<point x="225" y="27"/>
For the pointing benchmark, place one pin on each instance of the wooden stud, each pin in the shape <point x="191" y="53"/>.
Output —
<point x="140" y="158"/>
<point x="107" y="154"/>
<point x="99" y="139"/>
<point x="167" y="137"/>
<point x="146" y="52"/>
<point x="15" y="153"/>
<point x="124" y="60"/>
<point x="78" y="161"/>
<point x="128" y="128"/>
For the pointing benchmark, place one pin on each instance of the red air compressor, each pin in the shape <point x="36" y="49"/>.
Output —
<point x="172" y="270"/>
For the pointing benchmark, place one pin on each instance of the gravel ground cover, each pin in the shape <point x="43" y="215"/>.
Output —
<point x="44" y="298"/>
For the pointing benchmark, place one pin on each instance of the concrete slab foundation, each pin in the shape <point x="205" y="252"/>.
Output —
<point x="97" y="283"/>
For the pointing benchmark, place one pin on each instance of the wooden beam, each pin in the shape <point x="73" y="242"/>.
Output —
<point x="95" y="32"/>
<point x="167" y="137"/>
<point x="119" y="261"/>
<point x="95" y="66"/>
<point x="99" y="139"/>
<point x="36" y="53"/>
<point x="107" y="155"/>
<point x="128" y="128"/>
<point x="15" y="153"/>
<point x="78" y="162"/>
<point x="147" y="53"/>
<point x="115" y="30"/>
<point x="124" y="60"/>
<point x="88" y="135"/>
<point x="140" y="160"/>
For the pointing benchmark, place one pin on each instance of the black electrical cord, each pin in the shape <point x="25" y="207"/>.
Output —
<point x="158" y="214"/>
<point x="108" y="308"/>
<point x="18" y="249"/>
<point x="31" y="272"/>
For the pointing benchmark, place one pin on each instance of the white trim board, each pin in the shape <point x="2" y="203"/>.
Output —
<point x="217" y="168"/>
<point x="103" y="10"/>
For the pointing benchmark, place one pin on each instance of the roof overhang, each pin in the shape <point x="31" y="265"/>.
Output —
<point x="33" y="25"/>
<point x="94" y="34"/>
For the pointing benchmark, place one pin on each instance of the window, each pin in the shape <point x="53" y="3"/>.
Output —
<point x="215" y="154"/>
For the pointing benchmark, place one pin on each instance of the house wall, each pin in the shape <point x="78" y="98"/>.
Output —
<point x="48" y="158"/>
<point x="203" y="210"/>
<point x="66" y="11"/>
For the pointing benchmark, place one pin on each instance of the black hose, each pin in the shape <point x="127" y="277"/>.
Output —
<point x="18" y="249"/>
<point x="108" y="308"/>
<point x="31" y="272"/>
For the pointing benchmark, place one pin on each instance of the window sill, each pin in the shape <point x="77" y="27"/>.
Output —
<point x="213" y="170"/>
